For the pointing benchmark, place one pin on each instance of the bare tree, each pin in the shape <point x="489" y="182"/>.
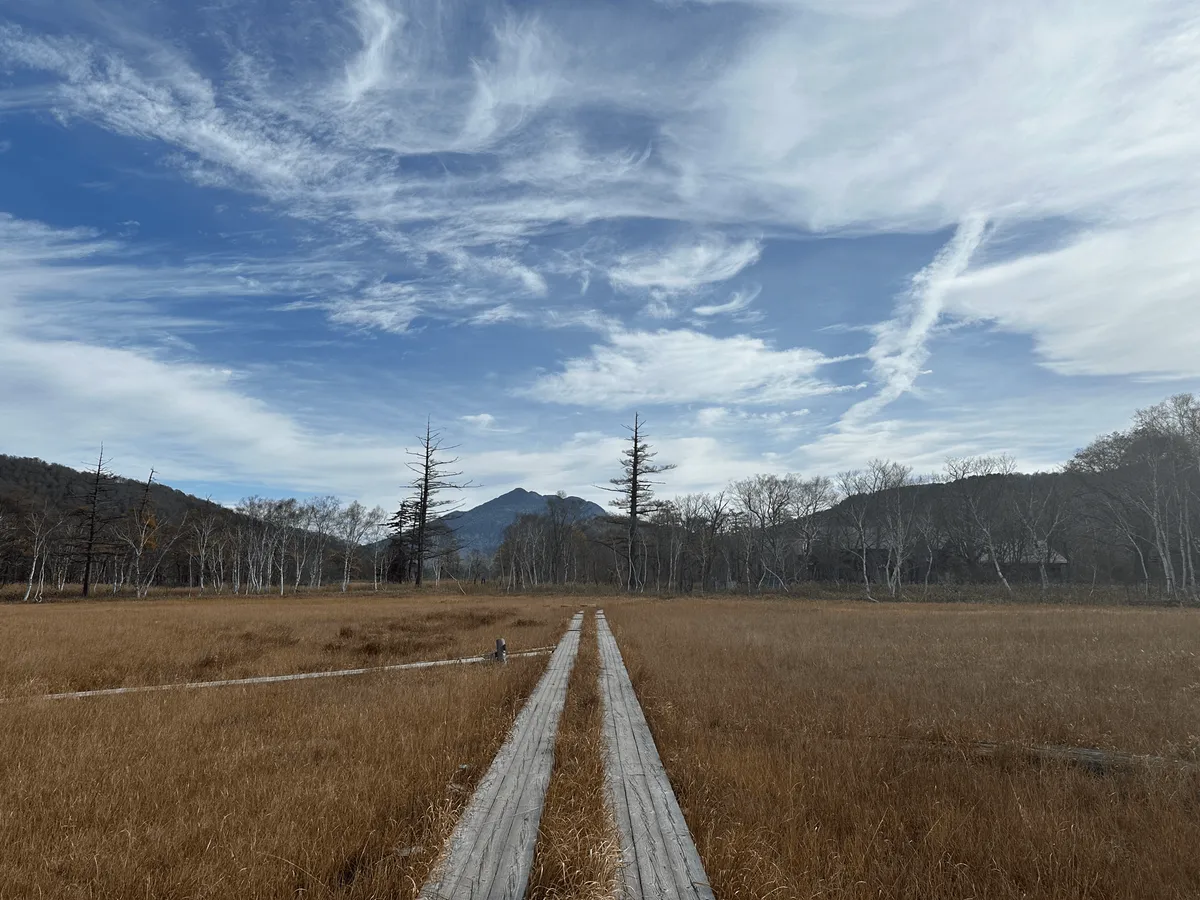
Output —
<point x="982" y="486"/>
<point x="880" y="516"/>
<point x="1038" y="505"/>
<point x="857" y="512"/>
<point x="40" y="523"/>
<point x="635" y="494"/>
<point x="562" y="517"/>
<point x="420" y="517"/>
<point x="204" y="530"/>
<point x="813" y="497"/>
<point x="323" y="518"/>
<point x="375" y="537"/>
<point x="147" y="538"/>
<point x="765" y="504"/>
<point x="94" y="515"/>
<point x="898" y="517"/>
<point x="1146" y="482"/>
<point x="353" y="525"/>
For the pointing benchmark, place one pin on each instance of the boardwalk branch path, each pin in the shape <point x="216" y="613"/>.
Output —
<point x="271" y="679"/>
<point x="491" y="851"/>
<point x="659" y="858"/>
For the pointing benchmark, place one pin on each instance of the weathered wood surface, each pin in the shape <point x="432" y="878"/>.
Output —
<point x="272" y="679"/>
<point x="1096" y="761"/>
<point x="659" y="858"/>
<point x="1093" y="759"/>
<point x="491" y="850"/>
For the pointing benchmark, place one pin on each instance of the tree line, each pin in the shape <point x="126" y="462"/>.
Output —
<point x="260" y="545"/>
<point x="1125" y="510"/>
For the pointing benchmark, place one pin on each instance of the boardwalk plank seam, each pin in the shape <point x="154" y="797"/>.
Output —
<point x="269" y="679"/>
<point x="659" y="857"/>
<point x="490" y="853"/>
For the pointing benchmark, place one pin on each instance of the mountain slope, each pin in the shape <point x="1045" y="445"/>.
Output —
<point x="36" y="481"/>
<point x="481" y="528"/>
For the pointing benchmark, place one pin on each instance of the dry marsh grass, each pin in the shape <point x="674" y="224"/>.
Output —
<point x="578" y="851"/>
<point x="49" y="648"/>
<point x="313" y="789"/>
<point x="792" y="733"/>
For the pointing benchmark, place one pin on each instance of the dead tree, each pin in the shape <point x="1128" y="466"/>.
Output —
<point x="94" y="515"/>
<point x="422" y="515"/>
<point x="635" y="492"/>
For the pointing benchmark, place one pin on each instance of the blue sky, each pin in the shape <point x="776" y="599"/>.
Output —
<point x="254" y="244"/>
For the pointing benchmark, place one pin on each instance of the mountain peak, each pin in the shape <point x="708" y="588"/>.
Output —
<point x="481" y="527"/>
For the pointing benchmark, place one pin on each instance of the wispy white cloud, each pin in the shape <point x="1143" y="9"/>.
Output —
<point x="520" y="78"/>
<point x="379" y="24"/>
<point x="400" y="146"/>
<point x="1111" y="302"/>
<point x="946" y="113"/>
<point x="738" y="302"/>
<point x="900" y="350"/>
<point x="687" y="266"/>
<point x="482" y="421"/>
<point x="63" y="282"/>
<point x="387" y="306"/>
<point x="825" y="122"/>
<point x="778" y="423"/>
<point x="684" y="366"/>
<point x="870" y="9"/>
<point x="508" y="268"/>
<point x="67" y="279"/>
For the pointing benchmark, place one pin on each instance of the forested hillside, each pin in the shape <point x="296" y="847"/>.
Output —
<point x="26" y="479"/>
<point x="67" y="530"/>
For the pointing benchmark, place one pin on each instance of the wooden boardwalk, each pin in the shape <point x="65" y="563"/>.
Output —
<point x="270" y="679"/>
<point x="491" y="851"/>
<point x="659" y="858"/>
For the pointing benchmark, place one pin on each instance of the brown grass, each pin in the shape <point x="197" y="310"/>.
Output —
<point x="791" y="732"/>
<point x="343" y="788"/>
<point x="578" y="850"/>
<point x="83" y="646"/>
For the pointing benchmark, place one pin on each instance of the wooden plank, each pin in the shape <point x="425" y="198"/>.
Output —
<point x="659" y="857"/>
<point x="1095" y="760"/>
<point x="490" y="852"/>
<point x="271" y="679"/>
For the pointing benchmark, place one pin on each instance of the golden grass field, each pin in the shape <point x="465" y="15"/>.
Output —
<point x="819" y="749"/>
<point x="342" y="787"/>
<point x="53" y="647"/>
<point x="345" y="787"/>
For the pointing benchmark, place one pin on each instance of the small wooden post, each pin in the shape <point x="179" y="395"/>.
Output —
<point x="501" y="650"/>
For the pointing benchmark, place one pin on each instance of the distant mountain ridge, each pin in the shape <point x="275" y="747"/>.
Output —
<point x="481" y="528"/>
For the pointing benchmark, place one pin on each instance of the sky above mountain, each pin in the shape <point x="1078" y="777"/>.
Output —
<point x="255" y="244"/>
